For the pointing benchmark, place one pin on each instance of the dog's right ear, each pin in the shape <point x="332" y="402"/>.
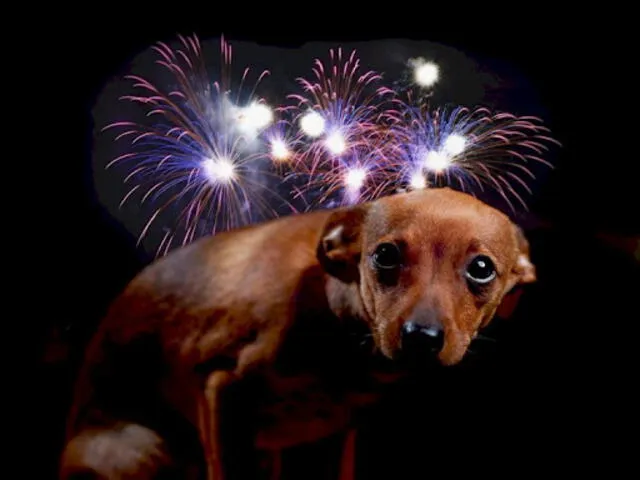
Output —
<point x="340" y="244"/>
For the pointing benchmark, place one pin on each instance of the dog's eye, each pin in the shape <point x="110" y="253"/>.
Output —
<point x="481" y="270"/>
<point x="387" y="256"/>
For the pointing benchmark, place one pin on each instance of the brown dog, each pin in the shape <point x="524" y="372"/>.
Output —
<point x="283" y="308"/>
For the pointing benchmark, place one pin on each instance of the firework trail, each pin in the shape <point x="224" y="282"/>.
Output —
<point x="206" y="153"/>
<point x="200" y="150"/>
<point x="462" y="147"/>
<point x="344" y="116"/>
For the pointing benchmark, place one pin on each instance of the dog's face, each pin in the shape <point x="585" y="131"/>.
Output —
<point x="431" y="267"/>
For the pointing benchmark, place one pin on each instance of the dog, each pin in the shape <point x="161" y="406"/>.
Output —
<point x="260" y="331"/>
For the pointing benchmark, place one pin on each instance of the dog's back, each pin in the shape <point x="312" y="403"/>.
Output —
<point x="223" y="302"/>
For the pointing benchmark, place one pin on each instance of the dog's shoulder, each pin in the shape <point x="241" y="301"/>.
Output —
<point x="244" y="273"/>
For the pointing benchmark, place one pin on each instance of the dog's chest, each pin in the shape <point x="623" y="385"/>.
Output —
<point x="304" y="408"/>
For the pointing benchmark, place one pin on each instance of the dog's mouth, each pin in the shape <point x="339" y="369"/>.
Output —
<point x="422" y="361"/>
<point x="415" y="360"/>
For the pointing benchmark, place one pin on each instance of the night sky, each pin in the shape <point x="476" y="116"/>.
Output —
<point x="569" y="347"/>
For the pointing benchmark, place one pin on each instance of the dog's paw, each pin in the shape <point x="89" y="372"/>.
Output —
<point x="122" y="452"/>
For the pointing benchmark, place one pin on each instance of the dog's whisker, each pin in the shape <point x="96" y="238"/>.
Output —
<point x="360" y="334"/>
<point x="484" y="338"/>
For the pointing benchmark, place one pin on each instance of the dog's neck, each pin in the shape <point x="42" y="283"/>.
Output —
<point x="345" y="301"/>
<point x="330" y="335"/>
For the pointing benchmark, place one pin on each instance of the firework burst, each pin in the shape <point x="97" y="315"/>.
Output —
<point x="199" y="152"/>
<point x="463" y="148"/>
<point x="210" y="157"/>
<point x="343" y="119"/>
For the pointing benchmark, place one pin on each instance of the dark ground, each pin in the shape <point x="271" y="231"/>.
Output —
<point x="550" y="395"/>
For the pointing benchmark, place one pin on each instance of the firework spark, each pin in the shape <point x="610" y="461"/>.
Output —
<point x="425" y="74"/>
<point x="464" y="147"/>
<point x="344" y="117"/>
<point x="200" y="149"/>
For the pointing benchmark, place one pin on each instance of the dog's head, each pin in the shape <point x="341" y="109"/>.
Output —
<point x="428" y="269"/>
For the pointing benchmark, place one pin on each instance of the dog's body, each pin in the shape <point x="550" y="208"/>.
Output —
<point x="277" y="317"/>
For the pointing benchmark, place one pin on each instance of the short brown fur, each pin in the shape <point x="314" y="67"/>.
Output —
<point x="283" y="306"/>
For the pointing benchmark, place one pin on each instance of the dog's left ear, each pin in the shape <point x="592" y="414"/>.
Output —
<point x="339" y="248"/>
<point x="523" y="272"/>
<point x="524" y="269"/>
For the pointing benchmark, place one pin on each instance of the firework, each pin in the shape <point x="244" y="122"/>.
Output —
<point x="200" y="151"/>
<point x="210" y="157"/>
<point x="343" y="120"/>
<point x="425" y="73"/>
<point x="463" y="148"/>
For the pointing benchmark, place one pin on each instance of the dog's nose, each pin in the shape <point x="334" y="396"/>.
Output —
<point x="417" y="337"/>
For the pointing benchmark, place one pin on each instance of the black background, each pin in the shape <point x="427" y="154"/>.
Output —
<point x="548" y="398"/>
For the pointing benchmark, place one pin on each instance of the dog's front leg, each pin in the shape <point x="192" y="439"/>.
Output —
<point x="211" y="434"/>
<point x="348" y="460"/>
